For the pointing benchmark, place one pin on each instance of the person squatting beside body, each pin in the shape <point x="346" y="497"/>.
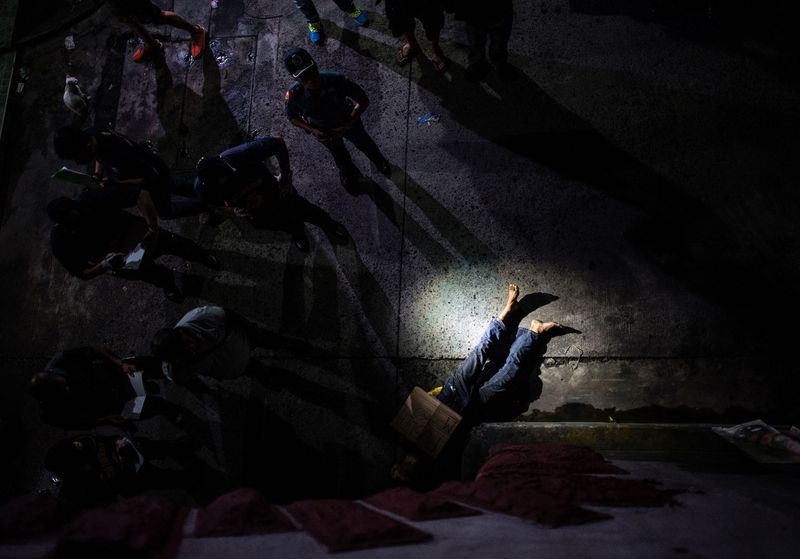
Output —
<point x="238" y="184"/>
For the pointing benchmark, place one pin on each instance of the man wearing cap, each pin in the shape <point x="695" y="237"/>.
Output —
<point x="328" y="106"/>
<point x="238" y="184"/>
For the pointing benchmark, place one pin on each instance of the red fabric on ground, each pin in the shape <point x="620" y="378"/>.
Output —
<point x="138" y="527"/>
<point x="539" y="482"/>
<point x="240" y="512"/>
<point x="28" y="516"/>
<point x="418" y="506"/>
<point x="343" y="525"/>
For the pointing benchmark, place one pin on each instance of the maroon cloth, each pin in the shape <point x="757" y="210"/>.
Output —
<point x="28" y="516"/>
<point x="523" y="459"/>
<point x="418" y="506"/>
<point x="142" y="526"/>
<point x="345" y="525"/>
<point x="546" y="483"/>
<point x="240" y="512"/>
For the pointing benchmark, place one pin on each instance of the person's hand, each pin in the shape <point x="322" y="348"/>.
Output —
<point x="285" y="186"/>
<point x="128" y="368"/>
<point x="231" y="211"/>
<point x="322" y="135"/>
<point x="341" y="130"/>
<point x="113" y="260"/>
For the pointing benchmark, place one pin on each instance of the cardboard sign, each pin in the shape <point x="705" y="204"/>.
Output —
<point x="426" y="421"/>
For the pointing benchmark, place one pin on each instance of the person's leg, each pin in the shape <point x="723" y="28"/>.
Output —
<point x="175" y="245"/>
<point x="359" y="17"/>
<point x="342" y="159"/>
<point x="432" y="18"/>
<point x="197" y="32"/>
<point x="494" y="343"/>
<point x="358" y="136"/>
<point x="188" y="202"/>
<point x="410" y="46"/>
<point x="308" y="9"/>
<point x="150" y="45"/>
<point x="476" y="41"/>
<point x="499" y="34"/>
<point x="173" y="19"/>
<point x="157" y="275"/>
<point x="316" y="34"/>
<point x="521" y="358"/>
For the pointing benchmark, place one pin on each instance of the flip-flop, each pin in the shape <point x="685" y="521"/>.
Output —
<point x="402" y="57"/>
<point x="144" y="52"/>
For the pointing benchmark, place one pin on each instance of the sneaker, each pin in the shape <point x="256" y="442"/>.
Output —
<point x="198" y="42"/>
<point x="315" y="33"/>
<point x="359" y="17"/>
<point x="143" y="52"/>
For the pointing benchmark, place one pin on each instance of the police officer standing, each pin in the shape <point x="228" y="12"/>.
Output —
<point x="328" y="106"/>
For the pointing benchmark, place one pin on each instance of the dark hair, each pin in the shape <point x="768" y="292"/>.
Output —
<point x="167" y="345"/>
<point x="215" y="174"/>
<point x="71" y="142"/>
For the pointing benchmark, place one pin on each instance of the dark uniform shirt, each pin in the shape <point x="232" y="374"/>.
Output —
<point x="329" y="106"/>
<point x="124" y="159"/>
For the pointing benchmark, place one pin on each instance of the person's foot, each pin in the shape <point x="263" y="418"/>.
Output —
<point x="540" y="327"/>
<point x="315" y="33"/>
<point x="406" y="53"/>
<point x="198" y="42"/>
<point x="477" y="71"/>
<point x="145" y="51"/>
<point x="359" y="17"/>
<point x="440" y="63"/>
<point x="511" y="303"/>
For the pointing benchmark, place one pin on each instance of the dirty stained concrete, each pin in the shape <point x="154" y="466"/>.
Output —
<point x="638" y="177"/>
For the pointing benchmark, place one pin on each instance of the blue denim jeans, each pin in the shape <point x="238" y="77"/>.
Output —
<point x="310" y="10"/>
<point x="491" y="368"/>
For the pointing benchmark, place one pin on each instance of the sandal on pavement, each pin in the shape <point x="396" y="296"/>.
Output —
<point x="143" y="51"/>
<point x="406" y="54"/>
<point x="198" y="42"/>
